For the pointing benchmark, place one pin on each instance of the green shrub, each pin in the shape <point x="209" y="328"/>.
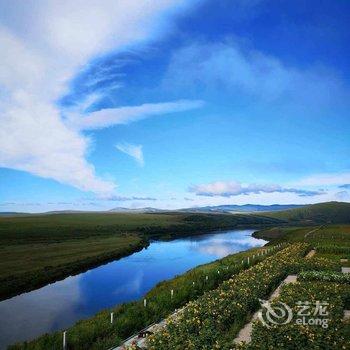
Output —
<point x="336" y="249"/>
<point x="325" y="276"/>
<point x="316" y="264"/>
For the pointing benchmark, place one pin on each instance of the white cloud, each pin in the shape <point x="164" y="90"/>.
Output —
<point x="343" y="196"/>
<point x="327" y="179"/>
<point x="234" y="188"/>
<point x="134" y="151"/>
<point x="45" y="43"/>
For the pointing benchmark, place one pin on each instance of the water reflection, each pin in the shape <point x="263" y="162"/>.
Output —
<point x="221" y="247"/>
<point x="60" y="304"/>
<point x="38" y="312"/>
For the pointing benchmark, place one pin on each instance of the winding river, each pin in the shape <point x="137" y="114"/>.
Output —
<point x="61" y="304"/>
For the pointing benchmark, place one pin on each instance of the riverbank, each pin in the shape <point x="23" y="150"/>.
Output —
<point x="28" y="281"/>
<point x="329" y="233"/>
<point x="37" y="250"/>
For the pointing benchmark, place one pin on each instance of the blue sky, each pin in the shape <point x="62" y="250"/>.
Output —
<point x="173" y="104"/>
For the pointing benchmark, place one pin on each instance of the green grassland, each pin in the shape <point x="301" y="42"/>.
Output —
<point x="322" y="213"/>
<point x="38" y="249"/>
<point x="327" y="234"/>
<point x="325" y="238"/>
<point x="52" y="228"/>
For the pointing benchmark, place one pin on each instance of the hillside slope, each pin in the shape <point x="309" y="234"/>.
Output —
<point x="321" y="213"/>
<point x="246" y="208"/>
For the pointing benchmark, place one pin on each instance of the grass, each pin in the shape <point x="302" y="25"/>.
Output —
<point x="321" y="213"/>
<point x="36" y="256"/>
<point x="316" y="235"/>
<point x="57" y="227"/>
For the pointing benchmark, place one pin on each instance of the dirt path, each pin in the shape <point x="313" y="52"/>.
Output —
<point x="246" y="332"/>
<point x="312" y="231"/>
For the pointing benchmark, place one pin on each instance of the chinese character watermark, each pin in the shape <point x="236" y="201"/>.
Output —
<point x="307" y="313"/>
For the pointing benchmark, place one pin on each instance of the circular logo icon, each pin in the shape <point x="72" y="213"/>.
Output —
<point x="277" y="314"/>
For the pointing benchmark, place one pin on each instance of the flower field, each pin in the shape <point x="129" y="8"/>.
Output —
<point x="219" y="314"/>
<point x="316" y="264"/>
<point x="307" y="335"/>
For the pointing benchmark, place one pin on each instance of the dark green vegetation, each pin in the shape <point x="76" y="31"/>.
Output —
<point x="331" y="235"/>
<point x="98" y="333"/>
<point x="322" y="213"/>
<point x="38" y="249"/>
<point x="331" y="241"/>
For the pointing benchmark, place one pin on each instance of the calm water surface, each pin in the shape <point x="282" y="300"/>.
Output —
<point x="61" y="304"/>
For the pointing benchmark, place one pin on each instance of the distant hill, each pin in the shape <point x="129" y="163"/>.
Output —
<point x="11" y="213"/>
<point x="246" y="208"/>
<point x="321" y="213"/>
<point x="137" y="210"/>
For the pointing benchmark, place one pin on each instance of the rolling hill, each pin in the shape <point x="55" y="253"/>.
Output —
<point x="321" y="213"/>
<point x="246" y="208"/>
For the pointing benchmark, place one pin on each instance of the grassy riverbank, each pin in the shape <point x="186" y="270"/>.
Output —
<point x="315" y="235"/>
<point x="38" y="249"/>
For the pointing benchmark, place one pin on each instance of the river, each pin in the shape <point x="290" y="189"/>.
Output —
<point x="60" y="304"/>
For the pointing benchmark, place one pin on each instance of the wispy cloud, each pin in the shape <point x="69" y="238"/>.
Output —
<point x="215" y="68"/>
<point x="326" y="179"/>
<point x="124" y="115"/>
<point x="342" y="196"/>
<point x="234" y="188"/>
<point x="132" y="198"/>
<point x="134" y="151"/>
<point x="45" y="45"/>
